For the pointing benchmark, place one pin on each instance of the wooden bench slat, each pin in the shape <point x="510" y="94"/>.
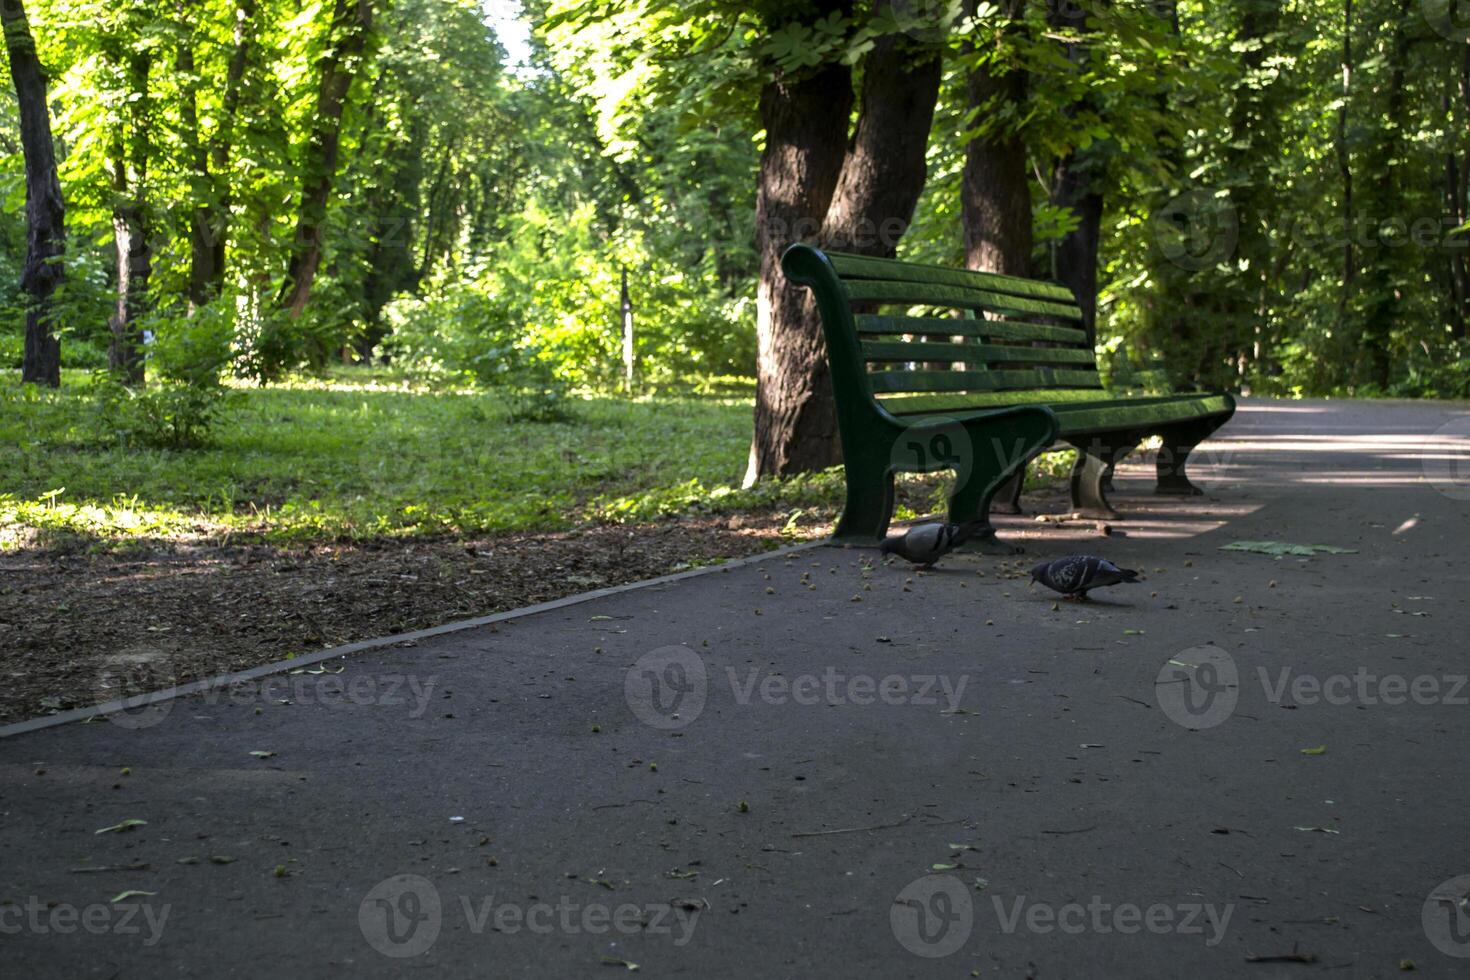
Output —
<point x="918" y="404"/>
<point x="870" y="323"/>
<point x="920" y="293"/>
<point x="1137" y="413"/>
<point x="1079" y="410"/>
<point x="896" y="381"/>
<point x="895" y="351"/>
<point x="866" y="267"/>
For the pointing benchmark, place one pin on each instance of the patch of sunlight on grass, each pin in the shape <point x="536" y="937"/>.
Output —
<point x="370" y="453"/>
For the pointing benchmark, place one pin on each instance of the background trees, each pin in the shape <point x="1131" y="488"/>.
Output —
<point x="1261" y="194"/>
<point x="45" y="213"/>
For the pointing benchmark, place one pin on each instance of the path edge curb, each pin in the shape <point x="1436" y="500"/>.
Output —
<point x="206" y="684"/>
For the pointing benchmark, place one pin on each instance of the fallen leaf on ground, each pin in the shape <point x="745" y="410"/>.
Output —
<point x="1286" y="548"/>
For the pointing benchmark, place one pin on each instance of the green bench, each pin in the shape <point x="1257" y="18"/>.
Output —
<point x="936" y="368"/>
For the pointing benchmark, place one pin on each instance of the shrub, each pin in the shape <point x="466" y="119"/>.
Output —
<point x="164" y="415"/>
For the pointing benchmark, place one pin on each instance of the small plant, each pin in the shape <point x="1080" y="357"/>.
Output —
<point x="536" y="394"/>
<point x="163" y="415"/>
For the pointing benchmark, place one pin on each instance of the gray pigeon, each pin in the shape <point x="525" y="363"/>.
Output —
<point x="925" y="544"/>
<point x="1073" y="575"/>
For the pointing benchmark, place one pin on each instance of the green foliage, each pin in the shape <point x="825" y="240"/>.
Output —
<point x="358" y="455"/>
<point x="479" y="226"/>
<point x="174" y="415"/>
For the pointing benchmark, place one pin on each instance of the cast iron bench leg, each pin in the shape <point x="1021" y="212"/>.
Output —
<point x="1002" y="448"/>
<point x="1179" y="441"/>
<point x="1008" y="497"/>
<point x="1092" y="474"/>
<point x="869" y="507"/>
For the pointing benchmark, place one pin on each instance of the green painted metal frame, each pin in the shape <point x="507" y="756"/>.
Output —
<point x="996" y="441"/>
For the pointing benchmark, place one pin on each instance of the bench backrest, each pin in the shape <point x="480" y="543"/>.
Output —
<point x="901" y="332"/>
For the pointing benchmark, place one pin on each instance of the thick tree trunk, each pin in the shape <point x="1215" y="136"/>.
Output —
<point x="806" y="123"/>
<point x="352" y="22"/>
<point x="883" y="172"/>
<point x="45" y="211"/>
<point x="130" y="224"/>
<point x="859" y="199"/>
<point x="995" y="189"/>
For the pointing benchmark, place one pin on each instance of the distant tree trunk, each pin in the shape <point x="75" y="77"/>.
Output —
<point x="352" y="22"/>
<point x="1381" y="281"/>
<point x="201" y="183"/>
<point x="209" y="186"/>
<point x="390" y="261"/>
<point x="130" y="224"/>
<point x="1344" y="163"/>
<point x="995" y="189"/>
<point x="45" y="211"/>
<point x="210" y="233"/>
<point x="1252" y="141"/>
<point x="857" y="198"/>
<point x="1457" y="171"/>
<point x="1076" y="185"/>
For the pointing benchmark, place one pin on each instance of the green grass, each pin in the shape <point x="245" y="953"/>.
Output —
<point x="365" y="454"/>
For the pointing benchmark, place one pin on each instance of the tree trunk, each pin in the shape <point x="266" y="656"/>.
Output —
<point x="210" y="234"/>
<point x="1073" y="184"/>
<point x="995" y="189"/>
<point x="44" y="270"/>
<point x="1459" y="171"/>
<point x="1076" y="185"/>
<point x="201" y="182"/>
<point x="130" y="224"/>
<point x="806" y="119"/>
<point x="352" y="22"/>
<point x="1344" y="163"/>
<point x="883" y="172"/>
<point x="859" y="199"/>
<point x="1381" y="280"/>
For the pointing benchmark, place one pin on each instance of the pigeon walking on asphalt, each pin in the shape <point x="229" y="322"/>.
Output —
<point x="925" y="544"/>
<point x="1073" y="575"/>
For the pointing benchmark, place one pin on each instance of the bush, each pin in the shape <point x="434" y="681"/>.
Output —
<point x="164" y="415"/>
<point x="463" y="332"/>
<point x="192" y="350"/>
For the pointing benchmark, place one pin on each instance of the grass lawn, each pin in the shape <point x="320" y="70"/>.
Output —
<point x="363" y="455"/>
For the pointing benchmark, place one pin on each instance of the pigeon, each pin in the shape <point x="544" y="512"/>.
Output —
<point x="925" y="544"/>
<point x="1073" y="575"/>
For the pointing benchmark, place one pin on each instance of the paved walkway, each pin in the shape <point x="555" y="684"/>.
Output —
<point x="803" y="767"/>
